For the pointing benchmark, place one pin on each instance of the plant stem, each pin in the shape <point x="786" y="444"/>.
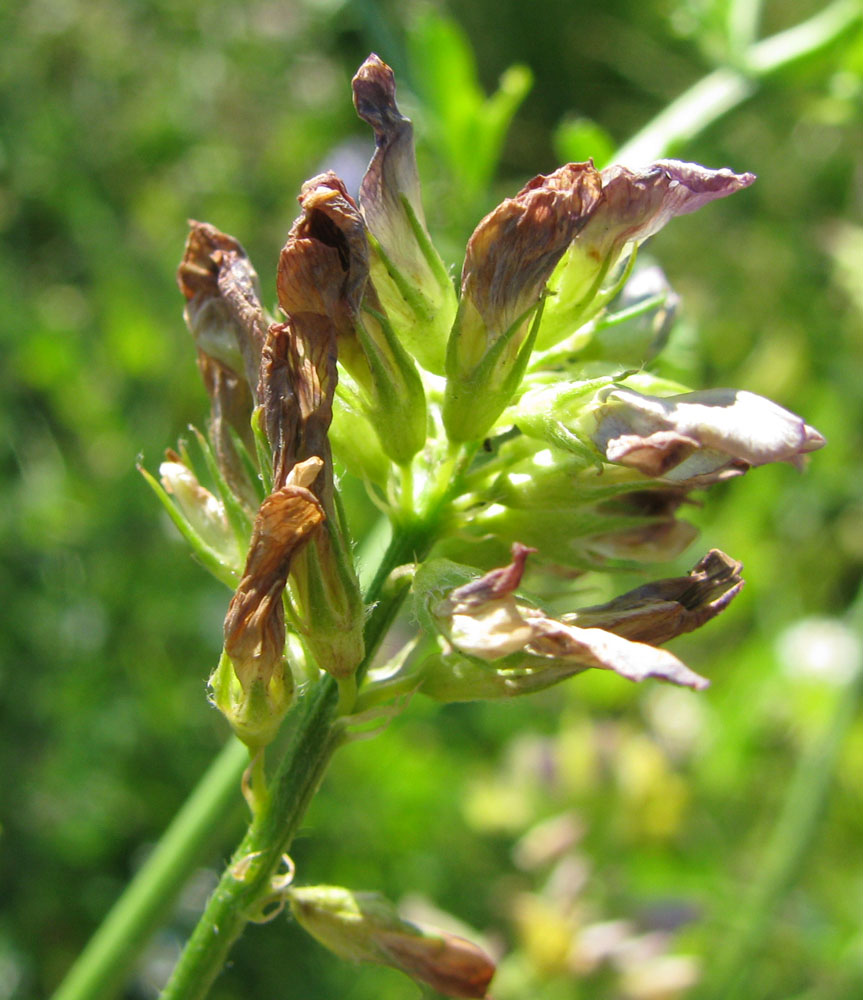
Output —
<point x="732" y="972"/>
<point x="725" y="88"/>
<point x="105" y="962"/>
<point x="315" y="735"/>
<point x="246" y="878"/>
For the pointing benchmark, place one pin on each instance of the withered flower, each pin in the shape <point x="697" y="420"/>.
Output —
<point x="225" y="316"/>
<point x="324" y="266"/>
<point x="634" y="205"/>
<point x="251" y="685"/>
<point x="698" y="438"/>
<point x="411" y="279"/>
<point x="366" y="927"/>
<point x="324" y="272"/>
<point x="298" y="381"/>
<point x="657" y="534"/>
<point x="223" y="306"/>
<point x="510" y="257"/>
<point x="500" y="646"/>
<point x="321" y="282"/>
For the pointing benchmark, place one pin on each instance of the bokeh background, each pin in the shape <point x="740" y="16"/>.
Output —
<point x="611" y="842"/>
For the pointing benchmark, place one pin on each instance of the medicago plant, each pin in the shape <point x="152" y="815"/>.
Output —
<point x="506" y="424"/>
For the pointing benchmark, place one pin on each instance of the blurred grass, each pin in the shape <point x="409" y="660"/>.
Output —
<point x="119" y="121"/>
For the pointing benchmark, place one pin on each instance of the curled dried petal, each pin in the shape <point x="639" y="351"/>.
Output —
<point x="634" y="205"/>
<point x="638" y="203"/>
<point x="598" y="648"/>
<point x="255" y="624"/>
<point x="661" y="610"/>
<point x="514" y="249"/>
<point x="298" y="381"/>
<point x="323" y="268"/>
<point x="223" y="307"/>
<point x="510" y="257"/>
<point x="410" y="278"/>
<point x="493" y="585"/>
<point x="392" y="174"/>
<point x="324" y="273"/>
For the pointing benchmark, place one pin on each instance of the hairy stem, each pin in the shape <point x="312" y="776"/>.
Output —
<point x="315" y="735"/>
<point x="247" y="876"/>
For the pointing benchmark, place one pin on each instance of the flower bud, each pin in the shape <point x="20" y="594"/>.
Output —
<point x="575" y="511"/>
<point x="634" y="204"/>
<point x="638" y="328"/>
<point x="204" y="514"/>
<point x="411" y="280"/>
<point x="366" y="927"/>
<point x="327" y="606"/>
<point x="510" y="257"/>
<point x="354" y="441"/>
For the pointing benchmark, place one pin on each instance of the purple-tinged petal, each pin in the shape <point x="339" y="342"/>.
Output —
<point x="697" y="438"/>
<point x="641" y="202"/>
<point x="509" y="259"/>
<point x="411" y="279"/>
<point x="633" y="206"/>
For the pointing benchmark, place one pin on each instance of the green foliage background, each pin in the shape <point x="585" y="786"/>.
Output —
<point x="118" y="121"/>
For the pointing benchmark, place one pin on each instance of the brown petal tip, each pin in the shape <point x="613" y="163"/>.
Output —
<point x="199" y="268"/>
<point x="496" y="583"/>
<point x="374" y="87"/>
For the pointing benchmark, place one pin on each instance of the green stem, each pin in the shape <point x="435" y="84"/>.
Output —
<point x="725" y="88"/>
<point x="247" y="877"/>
<point x="731" y="971"/>
<point x="103" y="965"/>
<point x="315" y="735"/>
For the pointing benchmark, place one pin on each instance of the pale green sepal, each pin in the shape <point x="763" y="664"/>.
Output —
<point x="398" y="411"/>
<point x="235" y="511"/>
<point x="263" y="450"/>
<point x="475" y="399"/>
<point x="453" y="677"/>
<point x="354" y="441"/>
<point x="255" y="714"/>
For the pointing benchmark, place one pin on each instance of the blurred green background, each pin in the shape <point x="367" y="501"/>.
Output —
<point x="610" y="841"/>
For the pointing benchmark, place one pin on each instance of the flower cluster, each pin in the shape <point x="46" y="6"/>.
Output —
<point x="515" y="415"/>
